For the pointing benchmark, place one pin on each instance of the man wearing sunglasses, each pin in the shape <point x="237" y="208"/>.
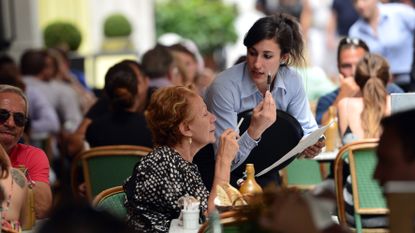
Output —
<point x="13" y="117"/>
<point x="349" y="53"/>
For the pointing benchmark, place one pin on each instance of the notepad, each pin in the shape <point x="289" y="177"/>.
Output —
<point x="304" y="143"/>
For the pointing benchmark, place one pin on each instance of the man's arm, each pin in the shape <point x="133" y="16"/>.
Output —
<point x="38" y="177"/>
<point x="43" y="199"/>
<point x="348" y="88"/>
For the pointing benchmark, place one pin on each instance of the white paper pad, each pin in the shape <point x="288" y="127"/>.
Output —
<point x="304" y="143"/>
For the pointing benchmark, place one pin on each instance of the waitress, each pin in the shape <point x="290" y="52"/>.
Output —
<point x="274" y="44"/>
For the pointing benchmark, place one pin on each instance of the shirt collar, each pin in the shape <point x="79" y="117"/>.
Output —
<point x="279" y="83"/>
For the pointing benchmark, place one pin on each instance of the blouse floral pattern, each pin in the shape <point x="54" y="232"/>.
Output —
<point x="155" y="186"/>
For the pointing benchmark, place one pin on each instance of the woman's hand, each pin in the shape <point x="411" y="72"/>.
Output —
<point x="314" y="150"/>
<point x="263" y="116"/>
<point x="228" y="145"/>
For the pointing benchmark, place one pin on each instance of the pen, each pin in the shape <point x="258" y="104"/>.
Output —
<point x="269" y="82"/>
<point x="240" y="123"/>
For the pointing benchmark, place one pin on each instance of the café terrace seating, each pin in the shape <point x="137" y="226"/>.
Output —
<point x="367" y="195"/>
<point x="105" y="167"/>
<point x="112" y="200"/>
<point x="303" y="174"/>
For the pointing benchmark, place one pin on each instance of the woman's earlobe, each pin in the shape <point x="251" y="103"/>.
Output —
<point x="185" y="129"/>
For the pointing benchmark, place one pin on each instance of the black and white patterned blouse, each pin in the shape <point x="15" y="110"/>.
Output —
<point x="157" y="182"/>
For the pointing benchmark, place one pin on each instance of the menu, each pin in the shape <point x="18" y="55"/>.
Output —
<point x="305" y="142"/>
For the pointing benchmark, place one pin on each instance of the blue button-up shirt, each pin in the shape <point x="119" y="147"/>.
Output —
<point x="233" y="92"/>
<point x="394" y="38"/>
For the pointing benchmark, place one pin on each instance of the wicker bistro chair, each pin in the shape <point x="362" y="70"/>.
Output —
<point x="105" y="167"/>
<point x="112" y="200"/>
<point x="367" y="195"/>
<point x="303" y="174"/>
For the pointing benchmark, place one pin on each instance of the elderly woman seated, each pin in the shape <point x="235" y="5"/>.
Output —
<point x="180" y="125"/>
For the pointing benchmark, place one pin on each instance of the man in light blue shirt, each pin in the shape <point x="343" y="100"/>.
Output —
<point x="388" y="30"/>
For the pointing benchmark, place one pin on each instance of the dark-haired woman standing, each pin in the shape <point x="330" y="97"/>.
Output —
<point x="273" y="43"/>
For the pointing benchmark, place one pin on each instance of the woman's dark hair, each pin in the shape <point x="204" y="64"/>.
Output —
<point x="285" y="31"/>
<point x="121" y="86"/>
<point x="134" y="63"/>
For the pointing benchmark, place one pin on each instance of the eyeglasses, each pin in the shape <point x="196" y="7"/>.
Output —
<point x="19" y="118"/>
<point x="352" y="41"/>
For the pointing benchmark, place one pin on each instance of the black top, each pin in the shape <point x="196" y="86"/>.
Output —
<point x="155" y="186"/>
<point x="101" y="106"/>
<point x="119" y="128"/>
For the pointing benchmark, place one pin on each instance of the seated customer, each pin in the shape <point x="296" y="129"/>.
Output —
<point x="181" y="125"/>
<point x="122" y="124"/>
<point x="359" y="116"/>
<point x="13" y="117"/>
<point x="349" y="52"/>
<point x="14" y="185"/>
<point x="102" y="106"/>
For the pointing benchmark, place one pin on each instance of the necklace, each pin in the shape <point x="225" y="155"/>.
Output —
<point x="8" y="203"/>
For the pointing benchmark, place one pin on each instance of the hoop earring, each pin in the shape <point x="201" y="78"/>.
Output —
<point x="190" y="140"/>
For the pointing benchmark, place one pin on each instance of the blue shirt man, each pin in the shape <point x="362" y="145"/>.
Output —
<point x="392" y="38"/>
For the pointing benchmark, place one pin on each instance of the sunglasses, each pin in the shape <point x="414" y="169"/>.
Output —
<point x="350" y="40"/>
<point x="19" y="118"/>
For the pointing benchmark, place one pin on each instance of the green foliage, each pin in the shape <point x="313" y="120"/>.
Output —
<point x="117" y="25"/>
<point x="209" y="23"/>
<point x="62" y="34"/>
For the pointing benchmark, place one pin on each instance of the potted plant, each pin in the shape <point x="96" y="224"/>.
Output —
<point x="209" y="23"/>
<point x="117" y="31"/>
<point x="62" y="34"/>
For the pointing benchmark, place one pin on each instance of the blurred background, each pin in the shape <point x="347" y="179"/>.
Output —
<point x="99" y="33"/>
